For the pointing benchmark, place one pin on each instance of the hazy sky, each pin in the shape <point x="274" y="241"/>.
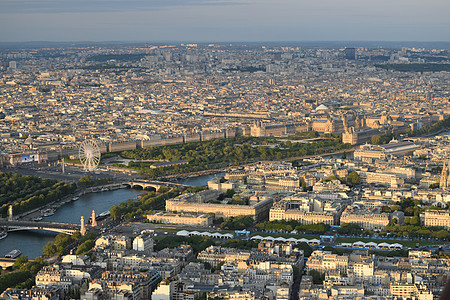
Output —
<point x="224" y="20"/>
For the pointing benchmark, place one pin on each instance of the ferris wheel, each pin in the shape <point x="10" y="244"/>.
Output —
<point x="89" y="154"/>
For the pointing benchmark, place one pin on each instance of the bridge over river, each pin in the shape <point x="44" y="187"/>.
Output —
<point x="15" y="225"/>
<point x="145" y="184"/>
<point x="11" y="224"/>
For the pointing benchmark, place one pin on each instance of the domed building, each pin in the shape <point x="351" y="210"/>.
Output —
<point x="29" y="141"/>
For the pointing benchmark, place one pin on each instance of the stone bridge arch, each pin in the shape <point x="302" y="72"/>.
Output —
<point x="143" y="185"/>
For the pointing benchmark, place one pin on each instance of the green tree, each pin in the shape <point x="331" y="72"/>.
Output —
<point x="229" y="193"/>
<point x="49" y="249"/>
<point x="376" y="140"/>
<point x="115" y="212"/>
<point x="85" y="247"/>
<point x="76" y="235"/>
<point x="349" y="229"/>
<point x="441" y="234"/>
<point x="13" y="279"/>
<point x="414" y="220"/>
<point x="237" y="201"/>
<point x="353" y="178"/>
<point x="163" y="189"/>
<point x="28" y="192"/>
<point x="386" y="208"/>
<point x="240" y="222"/>
<point x="317" y="277"/>
<point x="216" y="153"/>
<point x="21" y="260"/>
<point x="332" y="177"/>
<point x="307" y="250"/>
<point x="85" y="181"/>
<point x="395" y="207"/>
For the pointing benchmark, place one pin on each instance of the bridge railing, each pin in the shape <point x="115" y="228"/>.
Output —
<point x="39" y="224"/>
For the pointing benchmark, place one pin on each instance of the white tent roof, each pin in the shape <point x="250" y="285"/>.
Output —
<point x="183" y="233"/>
<point x="359" y="243"/>
<point x="256" y="237"/>
<point x="383" y="245"/>
<point x="396" y="245"/>
<point x="281" y="239"/>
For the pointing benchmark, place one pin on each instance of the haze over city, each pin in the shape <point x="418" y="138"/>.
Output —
<point x="224" y="20"/>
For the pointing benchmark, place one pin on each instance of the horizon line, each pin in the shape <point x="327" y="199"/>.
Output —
<point x="222" y="42"/>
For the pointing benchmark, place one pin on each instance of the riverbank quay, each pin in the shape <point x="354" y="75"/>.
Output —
<point x="31" y="242"/>
<point x="80" y="191"/>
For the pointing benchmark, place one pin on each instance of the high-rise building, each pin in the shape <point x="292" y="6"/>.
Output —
<point x="445" y="180"/>
<point x="12" y="65"/>
<point x="403" y="51"/>
<point x="350" y="53"/>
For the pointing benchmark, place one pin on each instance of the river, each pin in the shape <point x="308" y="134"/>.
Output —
<point x="32" y="242"/>
<point x="199" y="180"/>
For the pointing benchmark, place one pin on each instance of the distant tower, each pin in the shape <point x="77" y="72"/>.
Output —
<point x="94" y="221"/>
<point x="345" y="123"/>
<point x="403" y="51"/>
<point x="10" y="213"/>
<point x="358" y="122"/>
<point x="350" y="136"/>
<point x="444" y="182"/>
<point x="12" y="65"/>
<point x="62" y="164"/>
<point x="83" y="228"/>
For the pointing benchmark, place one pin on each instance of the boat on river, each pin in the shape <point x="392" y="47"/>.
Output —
<point x="100" y="217"/>
<point x="48" y="212"/>
<point x="3" y="235"/>
<point x="104" y="214"/>
<point x="13" y="254"/>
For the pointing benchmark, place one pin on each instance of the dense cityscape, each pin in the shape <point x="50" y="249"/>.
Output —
<point x="248" y="171"/>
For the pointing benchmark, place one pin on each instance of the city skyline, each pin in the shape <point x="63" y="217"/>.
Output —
<point x="251" y="170"/>
<point x="212" y="21"/>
